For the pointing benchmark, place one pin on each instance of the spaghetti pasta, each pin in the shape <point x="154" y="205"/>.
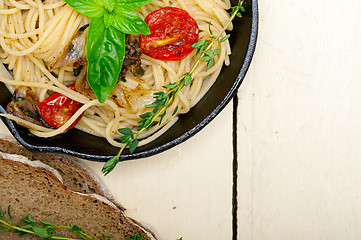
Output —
<point x="34" y="33"/>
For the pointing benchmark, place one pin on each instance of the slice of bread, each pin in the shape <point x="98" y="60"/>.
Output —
<point x="31" y="187"/>
<point x="73" y="173"/>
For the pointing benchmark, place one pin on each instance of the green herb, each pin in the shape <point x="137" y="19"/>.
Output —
<point x="237" y="9"/>
<point x="43" y="230"/>
<point x="77" y="70"/>
<point x="138" y="237"/>
<point x="30" y="134"/>
<point x="122" y="77"/>
<point x="105" y="47"/>
<point x="30" y="114"/>
<point x="139" y="72"/>
<point x="164" y="99"/>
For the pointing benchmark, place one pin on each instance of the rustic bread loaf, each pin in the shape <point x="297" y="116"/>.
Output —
<point x="75" y="176"/>
<point x="33" y="187"/>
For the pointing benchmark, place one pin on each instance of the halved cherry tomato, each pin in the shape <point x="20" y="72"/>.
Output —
<point x="173" y="31"/>
<point x="57" y="109"/>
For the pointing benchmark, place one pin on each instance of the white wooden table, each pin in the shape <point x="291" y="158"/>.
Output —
<point x="298" y="141"/>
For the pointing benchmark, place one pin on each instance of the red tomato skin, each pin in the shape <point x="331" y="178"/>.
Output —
<point x="57" y="109"/>
<point x="174" y="28"/>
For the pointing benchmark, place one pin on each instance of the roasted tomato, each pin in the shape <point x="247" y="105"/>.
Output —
<point x="57" y="109"/>
<point x="173" y="31"/>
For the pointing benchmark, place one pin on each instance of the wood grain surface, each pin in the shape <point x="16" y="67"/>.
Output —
<point x="299" y="128"/>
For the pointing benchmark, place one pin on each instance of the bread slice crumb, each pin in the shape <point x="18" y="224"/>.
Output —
<point x="32" y="187"/>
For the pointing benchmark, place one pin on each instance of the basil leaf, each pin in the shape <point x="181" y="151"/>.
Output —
<point x="108" y="19"/>
<point x="132" y="4"/>
<point x="109" y="5"/>
<point x="128" y="21"/>
<point x="105" y="50"/>
<point x="90" y="8"/>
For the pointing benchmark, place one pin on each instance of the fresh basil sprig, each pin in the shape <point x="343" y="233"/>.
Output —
<point x="111" y="20"/>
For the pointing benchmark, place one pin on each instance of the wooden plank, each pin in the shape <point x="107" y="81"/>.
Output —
<point x="185" y="191"/>
<point x="299" y="124"/>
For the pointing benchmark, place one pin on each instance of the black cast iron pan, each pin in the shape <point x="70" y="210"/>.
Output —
<point x="79" y="144"/>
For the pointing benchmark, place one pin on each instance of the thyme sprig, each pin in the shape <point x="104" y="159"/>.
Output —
<point x="43" y="230"/>
<point x="164" y="99"/>
<point x="139" y="236"/>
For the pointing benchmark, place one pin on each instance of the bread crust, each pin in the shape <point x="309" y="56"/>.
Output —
<point x="75" y="175"/>
<point x="30" y="187"/>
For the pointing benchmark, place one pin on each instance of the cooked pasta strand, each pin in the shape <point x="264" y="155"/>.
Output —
<point x="33" y="33"/>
